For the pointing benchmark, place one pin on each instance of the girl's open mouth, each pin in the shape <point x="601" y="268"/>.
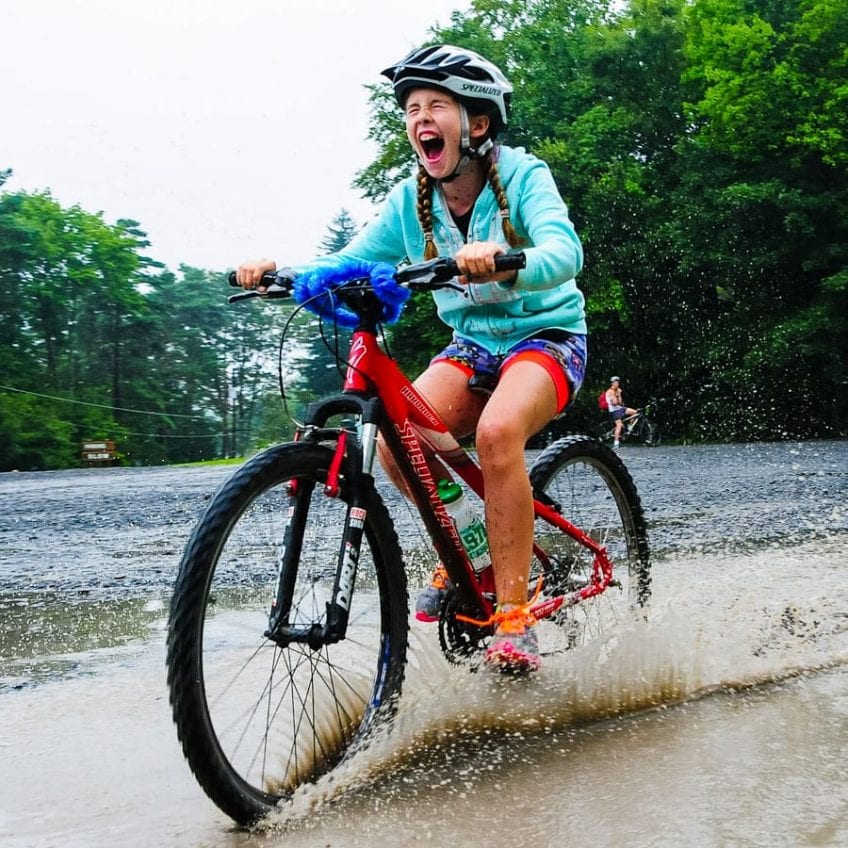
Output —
<point x="432" y="148"/>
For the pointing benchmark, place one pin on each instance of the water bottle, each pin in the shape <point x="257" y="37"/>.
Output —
<point x="471" y="529"/>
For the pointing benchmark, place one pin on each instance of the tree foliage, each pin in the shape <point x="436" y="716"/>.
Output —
<point x="701" y="147"/>
<point x="100" y="342"/>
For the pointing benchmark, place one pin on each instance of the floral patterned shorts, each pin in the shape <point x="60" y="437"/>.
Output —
<point x="561" y="354"/>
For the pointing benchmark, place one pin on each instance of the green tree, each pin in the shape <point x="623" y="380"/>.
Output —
<point x="317" y="351"/>
<point x="766" y="101"/>
<point x="67" y="276"/>
<point x="701" y="149"/>
<point x="212" y="363"/>
<point x="339" y="233"/>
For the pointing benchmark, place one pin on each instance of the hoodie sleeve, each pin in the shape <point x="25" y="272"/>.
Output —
<point x="555" y="255"/>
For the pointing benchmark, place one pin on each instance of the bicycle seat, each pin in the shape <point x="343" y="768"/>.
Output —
<point x="484" y="384"/>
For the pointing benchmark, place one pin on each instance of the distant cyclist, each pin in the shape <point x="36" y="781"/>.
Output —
<point x="616" y="408"/>
<point x="521" y="337"/>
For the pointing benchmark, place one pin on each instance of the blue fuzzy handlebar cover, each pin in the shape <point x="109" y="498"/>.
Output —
<point x="314" y="289"/>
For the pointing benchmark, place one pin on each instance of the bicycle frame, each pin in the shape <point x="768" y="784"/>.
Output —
<point x="376" y="390"/>
<point x="639" y="425"/>
<point x="630" y="422"/>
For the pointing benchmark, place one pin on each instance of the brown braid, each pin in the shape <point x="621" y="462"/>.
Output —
<point x="425" y="207"/>
<point x="511" y="236"/>
<point x="425" y="212"/>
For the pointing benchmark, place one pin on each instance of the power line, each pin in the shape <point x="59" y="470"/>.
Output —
<point x="175" y="436"/>
<point x="104" y="405"/>
<point x="217" y="435"/>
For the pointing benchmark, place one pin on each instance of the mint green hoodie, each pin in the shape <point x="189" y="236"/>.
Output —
<point x="497" y="315"/>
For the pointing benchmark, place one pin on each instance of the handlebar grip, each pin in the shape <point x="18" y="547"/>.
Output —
<point x="269" y="278"/>
<point x="503" y="262"/>
<point x="438" y="272"/>
<point x="510" y="261"/>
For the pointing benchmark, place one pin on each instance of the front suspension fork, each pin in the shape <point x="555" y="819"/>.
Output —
<point x="349" y="475"/>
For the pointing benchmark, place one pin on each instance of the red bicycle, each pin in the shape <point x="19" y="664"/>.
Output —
<point x="289" y="619"/>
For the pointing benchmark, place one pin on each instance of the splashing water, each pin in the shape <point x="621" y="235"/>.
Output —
<point x="716" y="624"/>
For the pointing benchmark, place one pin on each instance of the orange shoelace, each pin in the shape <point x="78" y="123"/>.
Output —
<point x="439" y="580"/>
<point x="519" y="616"/>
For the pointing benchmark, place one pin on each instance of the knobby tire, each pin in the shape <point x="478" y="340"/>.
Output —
<point x="257" y="720"/>
<point x="592" y="489"/>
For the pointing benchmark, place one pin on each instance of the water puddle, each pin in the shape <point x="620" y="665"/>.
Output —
<point x="46" y="636"/>
<point x="728" y="630"/>
<point x="721" y="720"/>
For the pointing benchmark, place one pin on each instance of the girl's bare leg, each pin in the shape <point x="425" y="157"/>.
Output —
<point x="446" y="389"/>
<point x="523" y="402"/>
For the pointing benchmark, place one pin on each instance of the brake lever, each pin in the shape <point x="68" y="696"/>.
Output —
<point x="273" y="292"/>
<point x="233" y="298"/>
<point x="440" y="270"/>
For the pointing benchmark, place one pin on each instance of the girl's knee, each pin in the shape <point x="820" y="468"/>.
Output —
<point x="499" y="441"/>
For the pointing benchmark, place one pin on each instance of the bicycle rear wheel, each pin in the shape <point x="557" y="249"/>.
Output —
<point x="255" y="719"/>
<point x="651" y="434"/>
<point x="592" y="489"/>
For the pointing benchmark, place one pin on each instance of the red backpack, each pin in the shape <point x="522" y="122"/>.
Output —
<point x="602" y="401"/>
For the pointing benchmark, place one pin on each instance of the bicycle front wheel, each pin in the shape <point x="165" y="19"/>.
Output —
<point x="590" y="486"/>
<point x="256" y="719"/>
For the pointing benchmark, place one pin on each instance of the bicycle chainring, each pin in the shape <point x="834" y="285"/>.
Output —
<point x="460" y="642"/>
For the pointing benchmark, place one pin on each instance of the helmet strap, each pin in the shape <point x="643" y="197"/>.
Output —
<point x="466" y="152"/>
<point x="464" y="129"/>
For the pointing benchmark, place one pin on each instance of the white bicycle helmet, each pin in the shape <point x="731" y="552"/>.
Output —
<point x="467" y="76"/>
<point x="462" y="72"/>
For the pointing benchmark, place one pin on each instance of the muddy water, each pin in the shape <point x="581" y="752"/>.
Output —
<point x="722" y="721"/>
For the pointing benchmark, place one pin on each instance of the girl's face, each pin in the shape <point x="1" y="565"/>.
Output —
<point x="434" y="129"/>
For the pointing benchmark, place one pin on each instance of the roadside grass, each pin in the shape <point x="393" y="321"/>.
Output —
<point x="238" y="460"/>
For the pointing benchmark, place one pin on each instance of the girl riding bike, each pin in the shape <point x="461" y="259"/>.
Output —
<point x="518" y="353"/>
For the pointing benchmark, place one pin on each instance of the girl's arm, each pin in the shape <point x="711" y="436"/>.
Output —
<point x="556" y="255"/>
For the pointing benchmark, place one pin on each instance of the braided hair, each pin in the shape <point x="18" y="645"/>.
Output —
<point x="424" y="208"/>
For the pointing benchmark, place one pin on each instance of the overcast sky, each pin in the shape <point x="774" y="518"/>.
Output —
<point x="230" y="129"/>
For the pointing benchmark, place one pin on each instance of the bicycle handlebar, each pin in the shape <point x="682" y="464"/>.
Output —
<point x="433" y="274"/>
<point x="436" y="272"/>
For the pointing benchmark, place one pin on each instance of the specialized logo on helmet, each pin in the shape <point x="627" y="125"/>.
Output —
<point x="480" y="89"/>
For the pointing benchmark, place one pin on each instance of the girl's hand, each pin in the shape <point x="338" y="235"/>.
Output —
<point x="476" y="261"/>
<point x="249" y="274"/>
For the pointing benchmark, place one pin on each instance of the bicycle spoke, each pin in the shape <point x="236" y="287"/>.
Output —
<point x="594" y="492"/>
<point x="280" y="714"/>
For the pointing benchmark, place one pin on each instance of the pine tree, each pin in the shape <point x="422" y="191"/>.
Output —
<point x="340" y="232"/>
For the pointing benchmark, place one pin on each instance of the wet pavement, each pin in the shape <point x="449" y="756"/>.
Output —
<point x="722" y="722"/>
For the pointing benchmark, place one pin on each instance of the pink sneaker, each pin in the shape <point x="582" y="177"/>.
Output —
<point x="515" y="645"/>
